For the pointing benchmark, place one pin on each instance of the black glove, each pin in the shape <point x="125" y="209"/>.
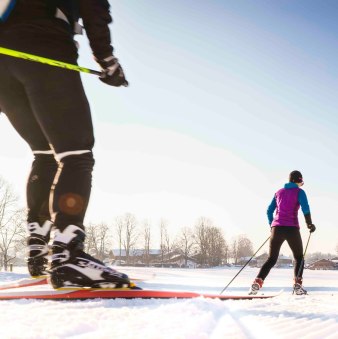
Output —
<point x="311" y="227"/>
<point x="112" y="72"/>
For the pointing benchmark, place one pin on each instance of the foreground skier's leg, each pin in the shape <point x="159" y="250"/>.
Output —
<point x="39" y="225"/>
<point x="70" y="265"/>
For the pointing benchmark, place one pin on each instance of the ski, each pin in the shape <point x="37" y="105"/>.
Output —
<point x="42" y="280"/>
<point x="25" y="282"/>
<point x="122" y="293"/>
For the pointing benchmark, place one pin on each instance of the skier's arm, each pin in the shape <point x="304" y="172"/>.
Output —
<point x="96" y="19"/>
<point x="302" y="199"/>
<point x="271" y="209"/>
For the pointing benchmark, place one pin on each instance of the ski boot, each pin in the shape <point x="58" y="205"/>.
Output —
<point x="256" y="286"/>
<point x="298" y="287"/>
<point x="72" y="267"/>
<point x="37" y="241"/>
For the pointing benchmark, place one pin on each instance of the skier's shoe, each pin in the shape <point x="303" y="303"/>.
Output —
<point x="37" y="241"/>
<point x="298" y="287"/>
<point x="72" y="267"/>
<point x="256" y="286"/>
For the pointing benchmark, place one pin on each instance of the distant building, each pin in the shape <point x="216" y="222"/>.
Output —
<point x="323" y="264"/>
<point x="243" y="260"/>
<point x="261" y="259"/>
<point x="282" y="262"/>
<point x="175" y="260"/>
<point x="136" y="257"/>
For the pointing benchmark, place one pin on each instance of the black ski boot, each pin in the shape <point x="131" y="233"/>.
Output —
<point x="37" y="241"/>
<point x="72" y="267"/>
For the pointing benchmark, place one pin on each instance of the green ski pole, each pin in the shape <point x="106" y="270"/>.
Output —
<point x="51" y="62"/>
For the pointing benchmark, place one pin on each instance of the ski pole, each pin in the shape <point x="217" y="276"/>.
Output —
<point x="302" y="262"/>
<point x="51" y="62"/>
<point x="244" y="266"/>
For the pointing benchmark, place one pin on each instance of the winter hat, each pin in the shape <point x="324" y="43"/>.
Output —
<point x="296" y="177"/>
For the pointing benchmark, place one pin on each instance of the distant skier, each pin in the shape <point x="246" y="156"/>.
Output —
<point x="48" y="108"/>
<point x="285" y="226"/>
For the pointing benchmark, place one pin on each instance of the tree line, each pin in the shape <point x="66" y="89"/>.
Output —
<point x="12" y="225"/>
<point x="204" y="242"/>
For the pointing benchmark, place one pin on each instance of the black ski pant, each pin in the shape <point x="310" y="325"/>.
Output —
<point x="278" y="235"/>
<point x="48" y="107"/>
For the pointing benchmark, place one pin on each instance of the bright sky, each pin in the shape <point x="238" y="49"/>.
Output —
<point x="226" y="98"/>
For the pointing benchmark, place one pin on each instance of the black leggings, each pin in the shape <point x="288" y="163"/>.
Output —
<point x="278" y="235"/>
<point x="48" y="108"/>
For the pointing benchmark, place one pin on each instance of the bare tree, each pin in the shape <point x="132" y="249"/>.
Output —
<point x="163" y="232"/>
<point x="201" y="236"/>
<point x="167" y="243"/>
<point x="234" y="250"/>
<point x="130" y="234"/>
<point x="241" y="247"/>
<point x="216" y="246"/>
<point x="90" y="242"/>
<point x="210" y="242"/>
<point x="119" y="228"/>
<point x="146" y="232"/>
<point x="185" y="243"/>
<point x="8" y="203"/>
<point x="226" y="252"/>
<point x="98" y="240"/>
<point x="245" y="247"/>
<point x="12" y="225"/>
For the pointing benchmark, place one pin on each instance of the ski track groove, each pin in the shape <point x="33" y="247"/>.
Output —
<point x="284" y="317"/>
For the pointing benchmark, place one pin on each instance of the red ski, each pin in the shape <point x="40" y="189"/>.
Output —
<point x="42" y="280"/>
<point x="25" y="282"/>
<point x="88" y="293"/>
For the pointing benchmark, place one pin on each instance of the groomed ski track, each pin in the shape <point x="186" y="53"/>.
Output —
<point x="286" y="316"/>
<point x="48" y="293"/>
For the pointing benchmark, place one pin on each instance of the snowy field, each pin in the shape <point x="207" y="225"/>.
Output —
<point x="286" y="316"/>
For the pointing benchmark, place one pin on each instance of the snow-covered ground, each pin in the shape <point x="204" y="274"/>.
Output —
<point x="286" y="316"/>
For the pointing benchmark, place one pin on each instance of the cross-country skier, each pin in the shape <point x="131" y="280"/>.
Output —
<point x="285" y="226"/>
<point x="48" y="108"/>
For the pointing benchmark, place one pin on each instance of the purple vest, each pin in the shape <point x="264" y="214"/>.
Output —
<point x="287" y="207"/>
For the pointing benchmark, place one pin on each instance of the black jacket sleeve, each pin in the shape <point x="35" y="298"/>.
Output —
<point x="96" y="19"/>
<point x="308" y="219"/>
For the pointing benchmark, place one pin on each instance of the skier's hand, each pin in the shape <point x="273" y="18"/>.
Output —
<point x="112" y="72"/>
<point x="311" y="227"/>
